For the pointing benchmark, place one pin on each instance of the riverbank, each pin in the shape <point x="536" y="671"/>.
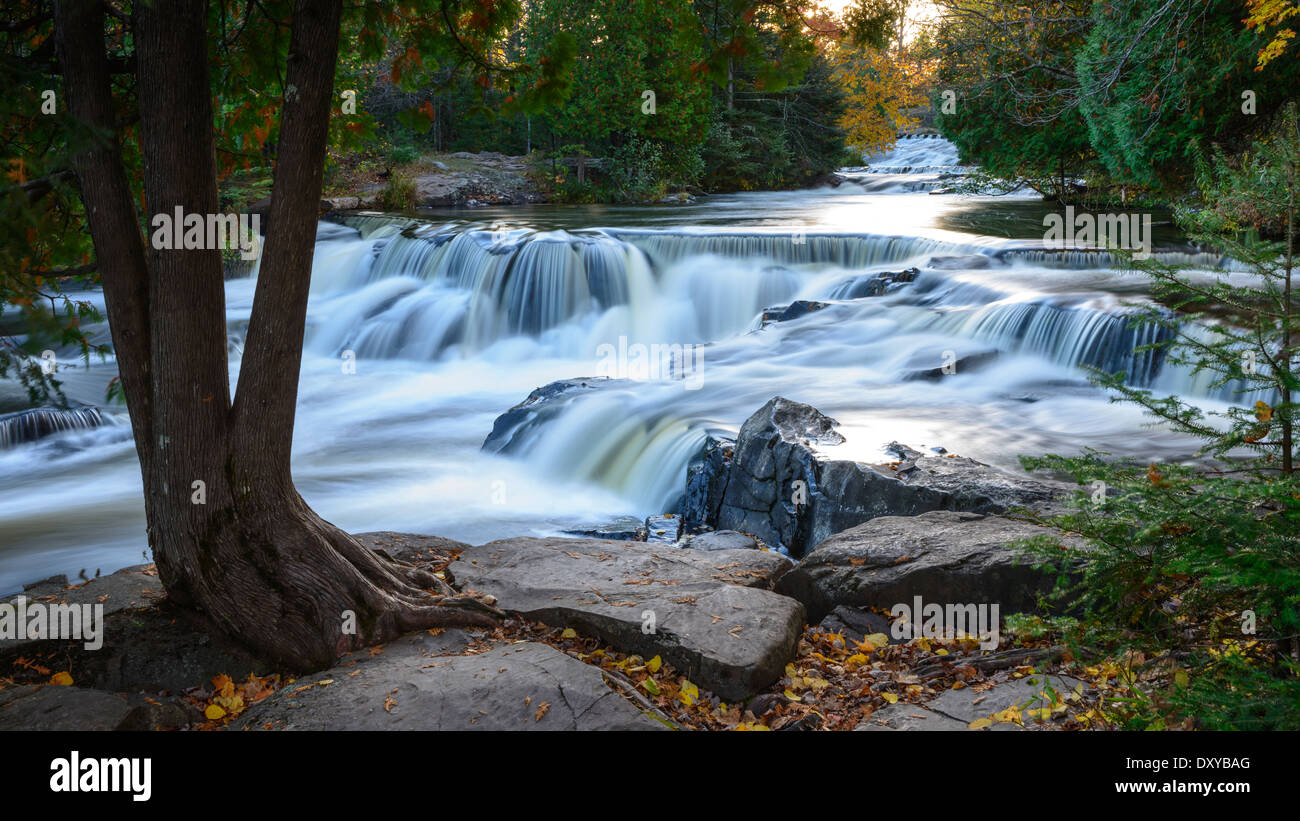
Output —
<point x="684" y="623"/>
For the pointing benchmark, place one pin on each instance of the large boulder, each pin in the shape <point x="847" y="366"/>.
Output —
<point x="710" y="614"/>
<point x="945" y="557"/>
<point x="781" y="482"/>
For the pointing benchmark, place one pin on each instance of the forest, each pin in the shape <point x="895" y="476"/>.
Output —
<point x="794" y="365"/>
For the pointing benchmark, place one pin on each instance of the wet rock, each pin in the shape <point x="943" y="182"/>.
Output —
<point x="942" y="556"/>
<point x="783" y="485"/>
<point x="706" y="482"/>
<point x="795" y="310"/>
<point x="622" y="529"/>
<point x="509" y="431"/>
<point x="932" y="365"/>
<point x="663" y="529"/>
<point x="723" y="540"/>
<point x="710" y="614"/>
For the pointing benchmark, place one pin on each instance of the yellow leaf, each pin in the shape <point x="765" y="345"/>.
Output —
<point x="653" y="664"/>
<point x="689" y="693"/>
<point x="792" y="696"/>
<point x="650" y="686"/>
<point x="64" y="679"/>
<point x="751" y="727"/>
<point x="214" y="713"/>
<point x="980" y="723"/>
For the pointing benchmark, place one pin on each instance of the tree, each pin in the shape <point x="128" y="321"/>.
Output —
<point x="1157" y="78"/>
<point x="242" y="547"/>
<point x="1008" y="71"/>
<point x="1196" y="566"/>
<point x="880" y="92"/>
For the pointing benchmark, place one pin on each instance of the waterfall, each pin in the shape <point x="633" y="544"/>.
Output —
<point x="37" y="423"/>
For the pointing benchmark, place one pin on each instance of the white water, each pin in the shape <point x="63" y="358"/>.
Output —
<point x="452" y="323"/>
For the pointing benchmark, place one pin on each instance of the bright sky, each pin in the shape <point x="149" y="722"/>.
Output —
<point x="919" y="11"/>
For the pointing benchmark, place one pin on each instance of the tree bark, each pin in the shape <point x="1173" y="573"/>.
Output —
<point x="231" y="535"/>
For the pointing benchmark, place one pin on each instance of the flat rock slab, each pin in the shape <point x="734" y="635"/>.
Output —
<point x="945" y="557"/>
<point x="954" y="710"/>
<point x="131" y="588"/>
<point x="411" y="547"/>
<point x="525" y="686"/>
<point x="1027" y="693"/>
<point x="711" y="614"/>
<point x="909" y="717"/>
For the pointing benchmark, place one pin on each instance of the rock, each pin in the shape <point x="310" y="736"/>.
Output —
<point x="796" y="309"/>
<point x="526" y="686"/>
<point x="622" y="529"/>
<point x="723" y="540"/>
<point x="856" y="624"/>
<point x="962" y="262"/>
<point x="904" y="716"/>
<point x="943" y="556"/>
<point x="663" y="529"/>
<point x="932" y="364"/>
<point x="340" y="204"/>
<point x="828" y="179"/>
<point x="782" y="484"/>
<point x="706" y="482"/>
<point x="872" y="285"/>
<point x="411" y="547"/>
<point x="606" y="588"/>
<point x="148" y="644"/>
<point x="509" y="431"/>
<point x="1027" y="693"/>
<point x="53" y="707"/>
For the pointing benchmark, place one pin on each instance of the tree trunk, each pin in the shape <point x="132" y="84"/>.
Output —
<point x="230" y="533"/>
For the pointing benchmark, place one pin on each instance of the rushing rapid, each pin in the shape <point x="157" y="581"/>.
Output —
<point x="422" y="331"/>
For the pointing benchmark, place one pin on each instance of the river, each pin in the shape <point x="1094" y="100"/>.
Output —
<point x="452" y="318"/>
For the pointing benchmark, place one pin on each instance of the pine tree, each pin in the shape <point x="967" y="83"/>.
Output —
<point x="1197" y="566"/>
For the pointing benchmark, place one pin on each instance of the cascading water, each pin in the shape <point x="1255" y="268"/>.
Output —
<point x="422" y="332"/>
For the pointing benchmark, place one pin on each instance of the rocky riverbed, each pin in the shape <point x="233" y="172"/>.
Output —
<point x="695" y="619"/>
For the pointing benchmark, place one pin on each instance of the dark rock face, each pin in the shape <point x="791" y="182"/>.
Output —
<point x="780" y="483"/>
<point x="510" y="429"/>
<point x="874" y="284"/>
<point x="706" y="483"/>
<point x="942" y="556"/>
<point x="712" y="615"/>
<point x="930" y="365"/>
<point x="796" y="309"/>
